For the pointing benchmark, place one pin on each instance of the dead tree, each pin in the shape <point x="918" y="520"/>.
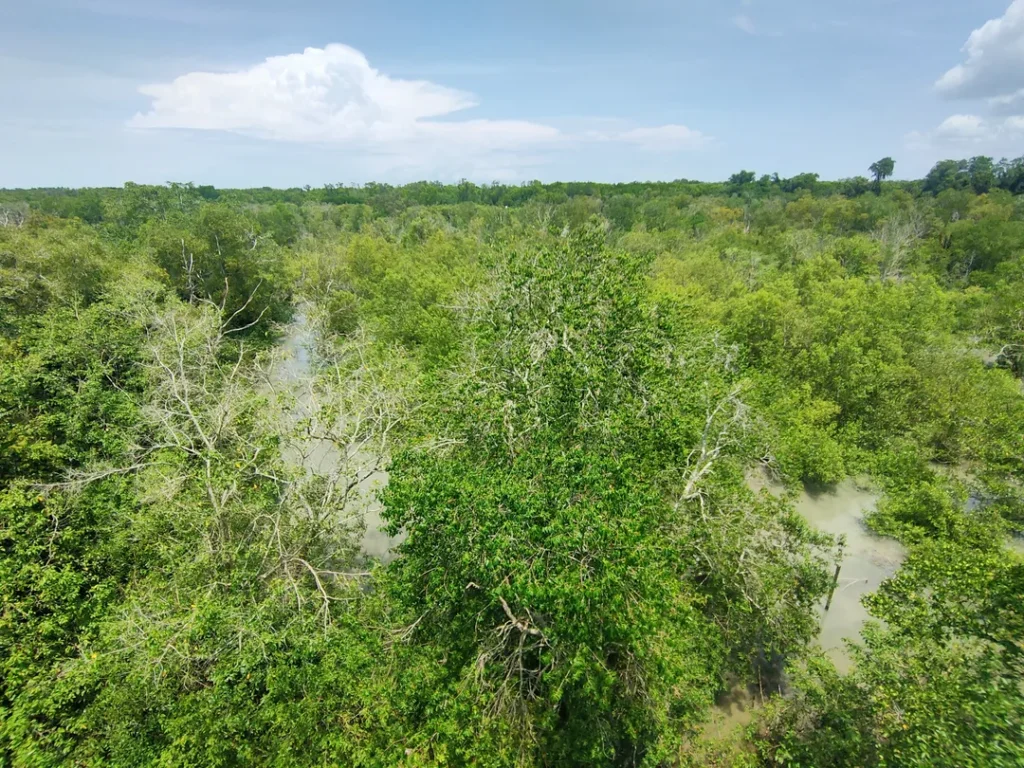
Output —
<point x="898" y="236"/>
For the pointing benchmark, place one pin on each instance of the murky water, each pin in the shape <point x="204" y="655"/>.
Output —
<point x="320" y="456"/>
<point x="868" y="559"/>
<point x="734" y="709"/>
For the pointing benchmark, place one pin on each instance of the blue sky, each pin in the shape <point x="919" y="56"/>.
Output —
<point x="295" y="92"/>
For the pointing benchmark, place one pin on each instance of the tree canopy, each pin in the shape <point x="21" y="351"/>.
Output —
<point x="511" y="475"/>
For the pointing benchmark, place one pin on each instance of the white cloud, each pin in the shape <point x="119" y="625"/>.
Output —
<point x="321" y="94"/>
<point x="745" y="23"/>
<point x="963" y="127"/>
<point x="664" y="137"/>
<point x="333" y="96"/>
<point x="971" y="133"/>
<point x="995" y="60"/>
<point x="1011" y="104"/>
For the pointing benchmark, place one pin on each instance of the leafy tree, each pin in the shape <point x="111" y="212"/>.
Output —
<point x="855" y="187"/>
<point x="742" y="179"/>
<point x="803" y="181"/>
<point x="947" y="174"/>
<point x="1011" y="175"/>
<point x="221" y="256"/>
<point x="537" y="504"/>
<point x="938" y="686"/>
<point x="982" y="171"/>
<point x="542" y="552"/>
<point x="69" y="401"/>
<point x="882" y="170"/>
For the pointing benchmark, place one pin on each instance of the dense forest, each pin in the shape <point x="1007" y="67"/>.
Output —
<point x="463" y="475"/>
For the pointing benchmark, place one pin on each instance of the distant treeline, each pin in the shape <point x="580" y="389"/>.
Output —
<point x="979" y="175"/>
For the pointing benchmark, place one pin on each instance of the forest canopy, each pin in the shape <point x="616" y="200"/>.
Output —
<point x="496" y="475"/>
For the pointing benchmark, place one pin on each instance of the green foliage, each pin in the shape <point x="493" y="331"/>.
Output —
<point x="536" y="546"/>
<point x="882" y="170"/>
<point x="568" y="390"/>
<point x="543" y="552"/>
<point x="932" y="510"/>
<point x="408" y="294"/>
<point x="220" y="256"/>
<point x="69" y="400"/>
<point x="50" y="262"/>
<point x="939" y="685"/>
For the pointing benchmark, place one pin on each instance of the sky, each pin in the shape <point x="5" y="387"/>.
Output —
<point x="241" y="93"/>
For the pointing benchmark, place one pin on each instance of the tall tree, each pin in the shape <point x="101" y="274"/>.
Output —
<point x="983" y="174"/>
<point x="947" y="174"/>
<point x="561" y="555"/>
<point x="882" y="170"/>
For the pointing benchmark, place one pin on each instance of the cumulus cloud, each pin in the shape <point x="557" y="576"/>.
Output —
<point x="333" y="95"/>
<point x="992" y="72"/>
<point x="1010" y="104"/>
<point x="322" y="94"/>
<point x="994" y="66"/>
<point x="972" y="133"/>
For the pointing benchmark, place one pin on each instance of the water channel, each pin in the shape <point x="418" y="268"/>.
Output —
<point x="294" y="372"/>
<point x="868" y="560"/>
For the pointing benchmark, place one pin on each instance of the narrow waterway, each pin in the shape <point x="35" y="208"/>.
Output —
<point x="868" y="560"/>
<point x="294" y="372"/>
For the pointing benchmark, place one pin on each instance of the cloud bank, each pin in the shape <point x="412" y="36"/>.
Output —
<point x="333" y="96"/>
<point x="993" y="72"/>
<point x="971" y="133"/>
<point x="994" y="68"/>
